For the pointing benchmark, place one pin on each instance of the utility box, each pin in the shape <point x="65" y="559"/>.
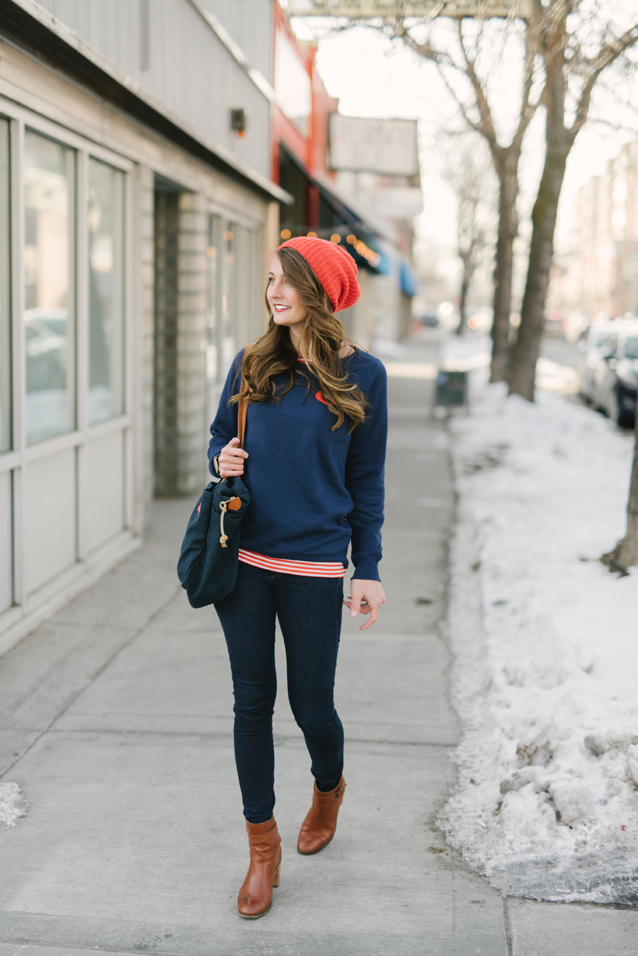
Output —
<point x="451" y="389"/>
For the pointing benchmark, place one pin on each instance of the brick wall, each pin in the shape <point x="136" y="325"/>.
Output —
<point x="180" y="427"/>
<point x="192" y="427"/>
<point x="145" y="367"/>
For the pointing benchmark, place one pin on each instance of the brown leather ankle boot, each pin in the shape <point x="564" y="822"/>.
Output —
<point x="255" y="896"/>
<point x="320" y="824"/>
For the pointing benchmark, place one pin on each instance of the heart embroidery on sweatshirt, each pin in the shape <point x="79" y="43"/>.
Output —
<point x="320" y="398"/>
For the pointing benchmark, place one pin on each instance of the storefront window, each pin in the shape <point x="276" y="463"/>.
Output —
<point x="248" y="313"/>
<point x="49" y="315"/>
<point x="212" y="309"/>
<point x="229" y="295"/>
<point x="106" y="327"/>
<point x="5" y="304"/>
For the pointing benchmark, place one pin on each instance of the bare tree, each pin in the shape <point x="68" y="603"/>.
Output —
<point x="577" y="44"/>
<point x="474" y="106"/>
<point x="468" y="175"/>
<point x="465" y="62"/>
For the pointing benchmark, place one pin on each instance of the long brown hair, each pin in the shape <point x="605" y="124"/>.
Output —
<point x="322" y="336"/>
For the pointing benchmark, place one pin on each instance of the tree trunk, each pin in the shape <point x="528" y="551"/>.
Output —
<point x="468" y="270"/>
<point x="625" y="554"/>
<point x="507" y="171"/>
<point x="525" y="352"/>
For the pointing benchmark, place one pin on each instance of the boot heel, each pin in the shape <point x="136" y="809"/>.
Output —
<point x="255" y="895"/>
<point x="320" y="824"/>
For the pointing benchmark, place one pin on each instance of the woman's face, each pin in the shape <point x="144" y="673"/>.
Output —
<point x="282" y="298"/>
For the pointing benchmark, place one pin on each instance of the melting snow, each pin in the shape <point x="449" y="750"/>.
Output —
<point x="545" y="640"/>
<point x="11" y="804"/>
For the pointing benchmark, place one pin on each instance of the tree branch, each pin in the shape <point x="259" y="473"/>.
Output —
<point x="482" y="104"/>
<point x="441" y="59"/>
<point x="528" y="108"/>
<point x="607" y="54"/>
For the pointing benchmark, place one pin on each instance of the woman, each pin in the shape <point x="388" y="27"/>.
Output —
<point x="314" y="463"/>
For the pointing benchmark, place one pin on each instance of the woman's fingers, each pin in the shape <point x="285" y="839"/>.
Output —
<point x="231" y="459"/>
<point x="364" y="607"/>
<point x="367" y="598"/>
<point x="233" y="449"/>
<point x="230" y="471"/>
<point x="374" y="617"/>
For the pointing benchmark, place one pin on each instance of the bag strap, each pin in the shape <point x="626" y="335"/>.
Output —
<point x="242" y="408"/>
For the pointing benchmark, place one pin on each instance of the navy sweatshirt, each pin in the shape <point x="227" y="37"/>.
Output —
<point x="313" y="489"/>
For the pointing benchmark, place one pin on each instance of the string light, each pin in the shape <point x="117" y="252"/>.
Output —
<point x="351" y="239"/>
<point x="311" y="235"/>
<point x="335" y="237"/>
<point x="285" y="234"/>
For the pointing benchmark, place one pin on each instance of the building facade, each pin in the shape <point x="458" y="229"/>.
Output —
<point x="137" y="217"/>
<point x="365" y="212"/>
<point x="599" y="275"/>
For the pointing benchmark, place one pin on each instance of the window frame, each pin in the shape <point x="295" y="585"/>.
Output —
<point x="124" y="282"/>
<point x="8" y="237"/>
<point x="20" y="119"/>
<point x="72" y="344"/>
<point x="20" y="455"/>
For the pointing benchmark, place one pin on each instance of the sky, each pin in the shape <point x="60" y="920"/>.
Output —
<point x="372" y="77"/>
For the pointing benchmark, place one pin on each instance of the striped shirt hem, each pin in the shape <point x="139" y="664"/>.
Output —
<point x="308" y="569"/>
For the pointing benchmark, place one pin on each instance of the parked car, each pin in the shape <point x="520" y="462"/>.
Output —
<point x="575" y="327"/>
<point x="600" y="340"/>
<point x="616" y="386"/>
<point x="428" y="319"/>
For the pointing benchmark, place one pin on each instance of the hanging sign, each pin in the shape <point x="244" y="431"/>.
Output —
<point x="384" y="146"/>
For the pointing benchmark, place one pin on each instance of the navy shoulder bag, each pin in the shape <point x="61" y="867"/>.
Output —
<point x="207" y="566"/>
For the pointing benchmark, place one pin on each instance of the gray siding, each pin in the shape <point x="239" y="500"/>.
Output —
<point x="190" y="71"/>
<point x="250" y="23"/>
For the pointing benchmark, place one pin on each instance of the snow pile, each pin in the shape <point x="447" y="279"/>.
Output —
<point x="11" y="805"/>
<point x="545" y="640"/>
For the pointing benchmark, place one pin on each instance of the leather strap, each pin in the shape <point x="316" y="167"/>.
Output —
<point x="242" y="408"/>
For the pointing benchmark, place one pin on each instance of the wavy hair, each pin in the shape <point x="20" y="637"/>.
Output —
<point x="321" y="338"/>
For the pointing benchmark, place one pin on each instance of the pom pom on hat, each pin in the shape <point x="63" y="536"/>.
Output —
<point x="335" y="269"/>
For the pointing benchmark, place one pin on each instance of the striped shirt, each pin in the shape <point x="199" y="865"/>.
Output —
<point x="307" y="569"/>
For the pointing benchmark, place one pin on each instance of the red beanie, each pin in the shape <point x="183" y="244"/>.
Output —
<point x="335" y="269"/>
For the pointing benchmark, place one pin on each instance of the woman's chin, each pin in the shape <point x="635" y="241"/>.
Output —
<point x="284" y="320"/>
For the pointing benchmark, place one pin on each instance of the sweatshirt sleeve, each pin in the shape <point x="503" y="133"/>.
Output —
<point x="365" y="473"/>
<point x="224" y="425"/>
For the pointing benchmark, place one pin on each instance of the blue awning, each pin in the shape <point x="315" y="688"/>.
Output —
<point x="407" y="279"/>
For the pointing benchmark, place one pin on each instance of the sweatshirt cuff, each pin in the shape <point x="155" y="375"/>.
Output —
<point x="367" y="570"/>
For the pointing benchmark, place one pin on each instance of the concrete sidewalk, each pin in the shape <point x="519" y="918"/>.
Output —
<point x="116" y="722"/>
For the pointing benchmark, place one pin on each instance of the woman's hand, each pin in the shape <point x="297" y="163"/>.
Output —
<point x="231" y="459"/>
<point x="367" y="598"/>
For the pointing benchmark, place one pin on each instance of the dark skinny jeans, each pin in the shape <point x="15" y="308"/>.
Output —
<point x="309" y="612"/>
